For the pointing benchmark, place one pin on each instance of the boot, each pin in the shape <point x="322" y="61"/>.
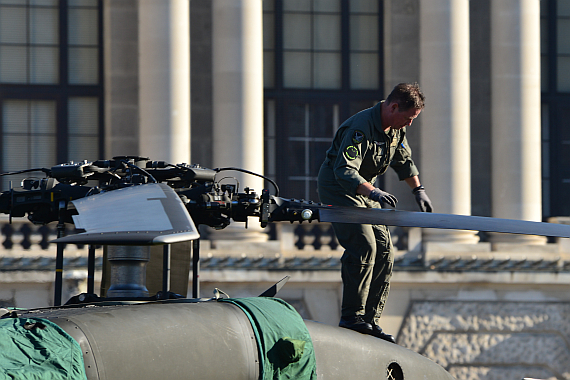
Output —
<point x="378" y="333"/>
<point x="356" y="323"/>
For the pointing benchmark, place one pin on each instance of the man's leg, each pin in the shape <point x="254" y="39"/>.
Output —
<point x="382" y="273"/>
<point x="357" y="266"/>
<point x="380" y="284"/>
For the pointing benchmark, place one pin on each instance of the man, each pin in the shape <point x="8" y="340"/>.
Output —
<point x="363" y="147"/>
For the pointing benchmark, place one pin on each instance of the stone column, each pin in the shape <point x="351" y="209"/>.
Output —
<point x="237" y="29"/>
<point x="515" y="99"/>
<point x="444" y="79"/>
<point x="164" y="72"/>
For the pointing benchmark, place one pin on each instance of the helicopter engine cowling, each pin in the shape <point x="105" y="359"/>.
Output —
<point x="200" y="340"/>
<point x="205" y="339"/>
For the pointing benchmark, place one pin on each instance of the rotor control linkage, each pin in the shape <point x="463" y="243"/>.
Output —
<point x="207" y="200"/>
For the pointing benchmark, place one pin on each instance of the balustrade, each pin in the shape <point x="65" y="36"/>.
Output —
<point x="23" y="235"/>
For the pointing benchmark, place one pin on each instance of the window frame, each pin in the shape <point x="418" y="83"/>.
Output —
<point x="345" y="97"/>
<point x="62" y="91"/>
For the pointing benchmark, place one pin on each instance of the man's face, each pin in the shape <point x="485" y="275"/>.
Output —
<point x="404" y="118"/>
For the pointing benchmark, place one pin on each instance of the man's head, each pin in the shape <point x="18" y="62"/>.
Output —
<point x="402" y="106"/>
<point x="407" y="95"/>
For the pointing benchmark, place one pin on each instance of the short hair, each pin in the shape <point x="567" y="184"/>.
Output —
<point x="407" y="95"/>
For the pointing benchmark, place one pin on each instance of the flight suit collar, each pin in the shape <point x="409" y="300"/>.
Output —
<point x="377" y="120"/>
<point x="377" y="116"/>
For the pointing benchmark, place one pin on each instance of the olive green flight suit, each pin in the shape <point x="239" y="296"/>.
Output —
<point x="360" y="151"/>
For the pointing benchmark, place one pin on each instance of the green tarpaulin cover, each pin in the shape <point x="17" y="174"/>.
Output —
<point x="33" y="348"/>
<point x="284" y="343"/>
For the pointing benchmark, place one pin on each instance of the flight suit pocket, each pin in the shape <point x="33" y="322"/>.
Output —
<point x="380" y="156"/>
<point x="379" y="152"/>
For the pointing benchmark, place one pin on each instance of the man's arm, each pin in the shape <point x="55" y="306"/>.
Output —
<point x="374" y="193"/>
<point x="418" y="190"/>
<point x="413" y="182"/>
<point x="364" y="189"/>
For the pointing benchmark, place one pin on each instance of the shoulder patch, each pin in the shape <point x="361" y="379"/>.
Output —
<point x="357" y="137"/>
<point x="351" y="152"/>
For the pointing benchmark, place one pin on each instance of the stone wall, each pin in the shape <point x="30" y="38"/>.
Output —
<point x="491" y="340"/>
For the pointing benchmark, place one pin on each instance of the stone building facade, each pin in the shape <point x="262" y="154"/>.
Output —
<point x="183" y="82"/>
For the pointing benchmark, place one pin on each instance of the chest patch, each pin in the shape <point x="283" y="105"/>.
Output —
<point x="351" y="152"/>
<point x="357" y="137"/>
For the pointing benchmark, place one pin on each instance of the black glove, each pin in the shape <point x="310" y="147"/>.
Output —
<point x="422" y="199"/>
<point x="383" y="197"/>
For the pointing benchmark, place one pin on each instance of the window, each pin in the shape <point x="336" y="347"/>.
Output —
<point x="322" y="63"/>
<point x="83" y="128"/>
<point x="50" y="83"/>
<point x="312" y="44"/>
<point x="29" y="41"/>
<point x="311" y="127"/>
<point x="83" y="41"/>
<point x="269" y="43"/>
<point x="364" y="45"/>
<point x="563" y="45"/>
<point x="28" y="136"/>
<point x="544" y="45"/>
<point x="555" y="60"/>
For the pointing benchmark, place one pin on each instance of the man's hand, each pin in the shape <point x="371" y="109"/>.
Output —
<point x="423" y="200"/>
<point x="383" y="197"/>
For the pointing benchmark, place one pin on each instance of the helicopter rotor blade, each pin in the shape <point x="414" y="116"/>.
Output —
<point x="388" y="217"/>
